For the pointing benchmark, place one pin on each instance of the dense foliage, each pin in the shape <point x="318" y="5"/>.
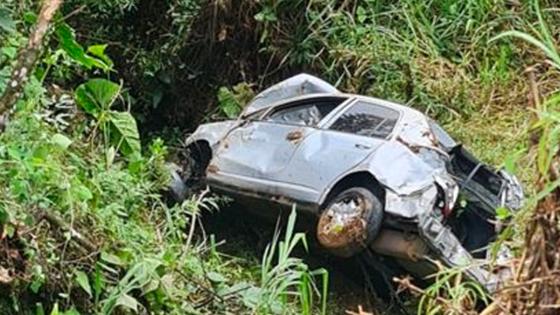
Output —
<point x="83" y="225"/>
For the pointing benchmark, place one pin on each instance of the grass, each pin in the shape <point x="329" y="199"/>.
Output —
<point x="146" y="253"/>
<point x="289" y="273"/>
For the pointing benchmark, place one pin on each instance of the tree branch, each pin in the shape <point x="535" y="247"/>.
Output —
<point x="27" y="58"/>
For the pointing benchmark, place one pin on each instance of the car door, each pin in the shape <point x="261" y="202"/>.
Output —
<point x="341" y="144"/>
<point x="257" y="151"/>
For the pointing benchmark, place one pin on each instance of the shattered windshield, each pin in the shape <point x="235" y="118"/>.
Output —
<point x="367" y="119"/>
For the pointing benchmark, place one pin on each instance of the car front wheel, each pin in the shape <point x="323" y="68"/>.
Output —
<point x="350" y="221"/>
<point x="187" y="176"/>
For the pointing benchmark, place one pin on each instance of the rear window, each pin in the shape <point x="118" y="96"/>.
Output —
<point x="367" y="119"/>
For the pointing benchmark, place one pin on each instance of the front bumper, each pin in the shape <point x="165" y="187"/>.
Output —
<point x="449" y="250"/>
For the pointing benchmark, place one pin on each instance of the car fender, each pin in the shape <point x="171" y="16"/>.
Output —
<point x="410" y="184"/>
<point x="399" y="169"/>
<point x="212" y="133"/>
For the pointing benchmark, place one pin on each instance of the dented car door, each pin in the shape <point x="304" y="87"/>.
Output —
<point x="328" y="155"/>
<point x="275" y="137"/>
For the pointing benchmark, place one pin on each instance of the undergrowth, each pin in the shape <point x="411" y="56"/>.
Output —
<point x="85" y="230"/>
<point x="84" y="225"/>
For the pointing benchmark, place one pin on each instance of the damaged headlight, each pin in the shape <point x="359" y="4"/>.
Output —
<point x="449" y="191"/>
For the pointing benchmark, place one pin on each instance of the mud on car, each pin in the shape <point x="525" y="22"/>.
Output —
<point x="374" y="174"/>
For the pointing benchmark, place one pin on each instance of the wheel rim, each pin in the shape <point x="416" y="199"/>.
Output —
<point x="342" y="227"/>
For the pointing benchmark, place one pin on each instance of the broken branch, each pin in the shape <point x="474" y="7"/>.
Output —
<point x="55" y="220"/>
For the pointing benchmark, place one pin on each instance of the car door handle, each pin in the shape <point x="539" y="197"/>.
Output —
<point x="294" y="135"/>
<point x="362" y="146"/>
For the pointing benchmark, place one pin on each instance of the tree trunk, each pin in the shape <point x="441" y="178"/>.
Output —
<point x="27" y="58"/>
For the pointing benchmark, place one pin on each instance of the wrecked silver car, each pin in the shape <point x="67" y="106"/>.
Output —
<point x="373" y="173"/>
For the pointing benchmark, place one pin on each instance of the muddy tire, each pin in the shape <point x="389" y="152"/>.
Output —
<point x="350" y="221"/>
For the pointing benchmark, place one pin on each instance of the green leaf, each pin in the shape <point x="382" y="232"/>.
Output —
<point x="39" y="310"/>
<point x="502" y="213"/>
<point x="99" y="52"/>
<point x="55" y="310"/>
<point x="216" y="277"/>
<point x="227" y="103"/>
<point x="4" y="216"/>
<point x="83" y="193"/>
<point x="124" y="132"/>
<point x="83" y="281"/>
<point x="96" y="95"/>
<point x="30" y="17"/>
<point x="128" y="302"/>
<point x="61" y="141"/>
<point x="75" y="51"/>
<point x="509" y="164"/>
<point x="9" y="52"/>
<point x="98" y="282"/>
<point x="112" y="259"/>
<point x="6" y="21"/>
<point x="252" y="296"/>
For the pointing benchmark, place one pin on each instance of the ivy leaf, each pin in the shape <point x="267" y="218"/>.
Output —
<point x="96" y="95"/>
<point x="83" y="282"/>
<point x="124" y="132"/>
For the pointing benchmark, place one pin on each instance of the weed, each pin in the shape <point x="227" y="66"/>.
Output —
<point x="284" y="276"/>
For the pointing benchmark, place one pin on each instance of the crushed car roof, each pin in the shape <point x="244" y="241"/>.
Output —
<point x="298" y="85"/>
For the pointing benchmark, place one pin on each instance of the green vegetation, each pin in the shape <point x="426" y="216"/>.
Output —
<point x="84" y="227"/>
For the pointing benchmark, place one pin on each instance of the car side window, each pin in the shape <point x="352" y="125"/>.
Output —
<point x="307" y="114"/>
<point x="367" y="119"/>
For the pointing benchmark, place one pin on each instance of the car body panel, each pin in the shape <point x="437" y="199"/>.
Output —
<point x="211" y="132"/>
<point x="235" y="154"/>
<point x="313" y="167"/>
